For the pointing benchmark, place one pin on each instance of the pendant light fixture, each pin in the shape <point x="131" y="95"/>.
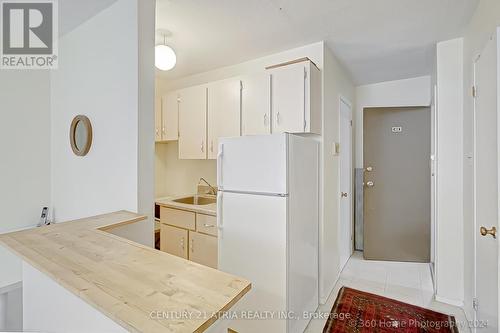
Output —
<point x="165" y="58"/>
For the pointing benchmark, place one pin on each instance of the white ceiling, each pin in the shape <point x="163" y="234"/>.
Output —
<point x="377" y="40"/>
<point x="72" y="13"/>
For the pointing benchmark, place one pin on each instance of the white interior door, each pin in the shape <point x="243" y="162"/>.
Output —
<point x="345" y="234"/>
<point x="486" y="186"/>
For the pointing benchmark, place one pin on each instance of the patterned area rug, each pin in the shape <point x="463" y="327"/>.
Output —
<point x="361" y="312"/>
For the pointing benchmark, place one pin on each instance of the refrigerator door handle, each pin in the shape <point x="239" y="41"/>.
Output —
<point x="219" y="210"/>
<point x="219" y="166"/>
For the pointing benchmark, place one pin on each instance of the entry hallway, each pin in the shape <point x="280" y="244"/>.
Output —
<point x="406" y="282"/>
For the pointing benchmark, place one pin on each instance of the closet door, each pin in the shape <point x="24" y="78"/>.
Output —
<point x="256" y="104"/>
<point x="193" y="123"/>
<point x="224" y="112"/>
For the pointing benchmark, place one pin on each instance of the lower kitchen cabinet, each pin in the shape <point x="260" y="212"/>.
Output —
<point x="189" y="235"/>
<point x="174" y="240"/>
<point x="203" y="249"/>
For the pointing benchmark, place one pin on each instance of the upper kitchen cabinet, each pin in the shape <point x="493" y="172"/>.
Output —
<point x="296" y="98"/>
<point x="256" y="104"/>
<point x="170" y="117"/>
<point x="224" y="112"/>
<point x="158" y="118"/>
<point x="193" y="122"/>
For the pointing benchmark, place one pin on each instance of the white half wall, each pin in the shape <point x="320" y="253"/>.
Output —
<point x="65" y="312"/>
<point x="25" y="166"/>
<point x="101" y="64"/>
<point x="483" y="24"/>
<point x="449" y="250"/>
<point x="400" y="93"/>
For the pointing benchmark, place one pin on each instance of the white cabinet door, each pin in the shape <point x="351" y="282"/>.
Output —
<point x="170" y="117"/>
<point x="193" y="123"/>
<point x="157" y="118"/>
<point x="224" y="113"/>
<point x="256" y="104"/>
<point x="203" y="249"/>
<point x="296" y="98"/>
<point x="288" y="98"/>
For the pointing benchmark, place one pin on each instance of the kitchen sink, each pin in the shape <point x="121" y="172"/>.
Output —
<point x="196" y="200"/>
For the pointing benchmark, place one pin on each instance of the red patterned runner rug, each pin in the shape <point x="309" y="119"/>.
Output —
<point x="356" y="311"/>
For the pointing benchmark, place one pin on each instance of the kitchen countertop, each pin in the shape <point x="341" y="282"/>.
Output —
<point x="210" y="209"/>
<point x="125" y="280"/>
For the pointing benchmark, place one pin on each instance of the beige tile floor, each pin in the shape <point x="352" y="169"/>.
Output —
<point x="407" y="282"/>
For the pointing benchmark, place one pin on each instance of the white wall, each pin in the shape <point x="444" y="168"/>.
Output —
<point x="98" y="76"/>
<point x="179" y="177"/>
<point x="400" y="93"/>
<point x="146" y="30"/>
<point x="336" y="83"/>
<point x="449" y="262"/>
<point x="25" y="165"/>
<point x="482" y="25"/>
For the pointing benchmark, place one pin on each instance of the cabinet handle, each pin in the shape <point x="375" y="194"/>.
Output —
<point x="206" y="225"/>
<point x="163" y="130"/>
<point x="212" y="146"/>
<point x="278" y="118"/>
<point x="157" y="132"/>
<point x="192" y="244"/>
<point x="182" y="243"/>
<point x="202" y="146"/>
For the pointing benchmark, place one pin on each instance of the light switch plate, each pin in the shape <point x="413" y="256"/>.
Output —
<point x="336" y="149"/>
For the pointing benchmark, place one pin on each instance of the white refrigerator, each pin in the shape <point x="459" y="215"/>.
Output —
<point x="267" y="215"/>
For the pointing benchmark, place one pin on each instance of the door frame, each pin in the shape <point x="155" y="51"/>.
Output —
<point x="474" y="187"/>
<point x="343" y="99"/>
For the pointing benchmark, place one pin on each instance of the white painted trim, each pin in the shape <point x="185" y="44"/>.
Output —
<point x="474" y="183"/>
<point x="454" y="302"/>
<point x="13" y="286"/>
<point x="346" y="101"/>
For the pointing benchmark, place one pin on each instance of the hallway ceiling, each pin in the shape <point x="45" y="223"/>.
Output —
<point x="375" y="40"/>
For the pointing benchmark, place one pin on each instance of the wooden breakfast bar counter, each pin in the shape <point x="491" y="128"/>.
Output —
<point x="129" y="283"/>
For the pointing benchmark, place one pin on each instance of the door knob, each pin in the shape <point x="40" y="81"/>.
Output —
<point x="369" y="169"/>
<point x="492" y="231"/>
<point x="343" y="194"/>
<point x="370" y="184"/>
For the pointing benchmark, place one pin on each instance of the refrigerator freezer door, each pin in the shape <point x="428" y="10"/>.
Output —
<point x="255" y="164"/>
<point x="252" y="244"/>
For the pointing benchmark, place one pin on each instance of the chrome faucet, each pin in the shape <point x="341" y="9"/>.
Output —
<point x="213" y="190"/>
